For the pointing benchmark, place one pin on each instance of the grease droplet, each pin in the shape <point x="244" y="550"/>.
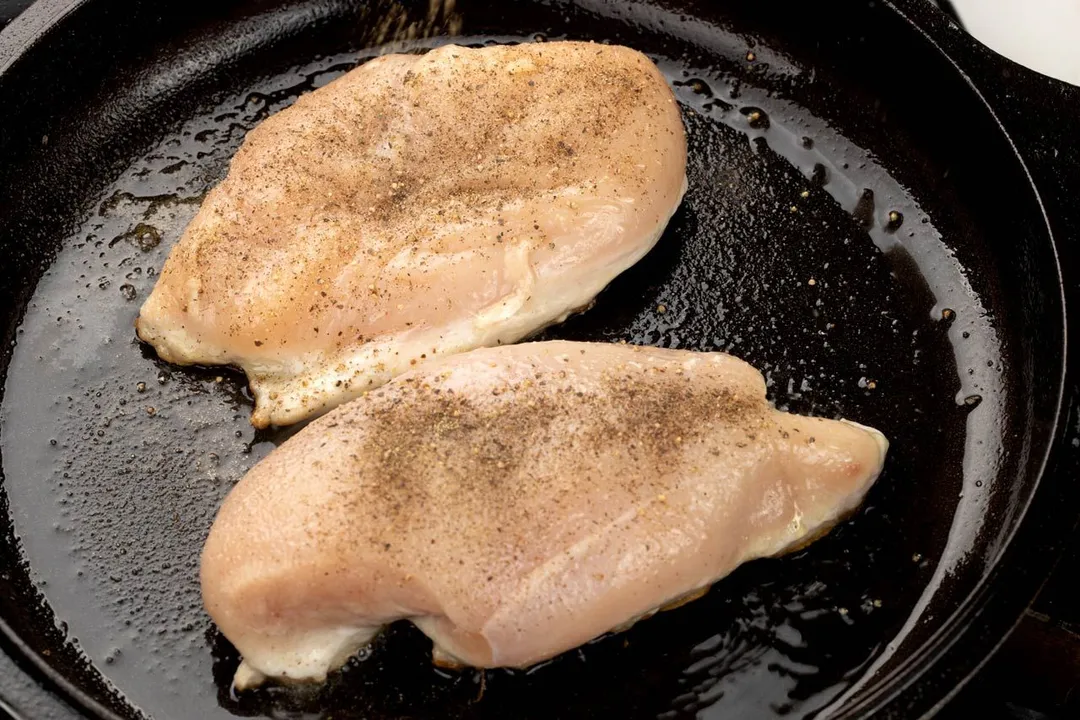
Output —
<point x="893" y="221"/>
<point x="147" y="237"/>
<point x="756" y="118"/>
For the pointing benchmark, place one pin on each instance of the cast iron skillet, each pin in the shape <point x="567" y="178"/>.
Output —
<point x="878" y="218"/>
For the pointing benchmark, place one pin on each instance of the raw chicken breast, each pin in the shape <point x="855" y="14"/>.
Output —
<point x="420" y="206"/>
<point x="517" y="502"/>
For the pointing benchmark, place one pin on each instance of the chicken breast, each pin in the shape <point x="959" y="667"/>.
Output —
<point x="416" y="207"/>
<point x="517" y="502"/>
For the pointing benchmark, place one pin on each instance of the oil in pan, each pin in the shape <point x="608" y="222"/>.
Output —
<point x="794" y="250"/>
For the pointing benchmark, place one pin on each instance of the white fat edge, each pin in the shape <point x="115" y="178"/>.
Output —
<point x="299" y="657"/>
<point x="519" y="268"/>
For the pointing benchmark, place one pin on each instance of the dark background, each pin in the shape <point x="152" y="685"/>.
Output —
<point x="1035" y="675"/>
<point x="9" y="9"/>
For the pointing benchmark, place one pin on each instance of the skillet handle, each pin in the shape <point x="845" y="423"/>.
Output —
<point x="1041" y="115"/>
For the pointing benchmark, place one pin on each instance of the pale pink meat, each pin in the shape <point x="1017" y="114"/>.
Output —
<point x="419" y="206"/>
<point x="517" y="502"/>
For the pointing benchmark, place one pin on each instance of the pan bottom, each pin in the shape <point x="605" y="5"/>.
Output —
<point x="785" y="253"/>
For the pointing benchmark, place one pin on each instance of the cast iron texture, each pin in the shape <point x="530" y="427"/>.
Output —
<point x="120" y="74"/>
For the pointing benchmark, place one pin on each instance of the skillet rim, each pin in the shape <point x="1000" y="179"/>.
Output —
<point x="38" y="21"/>
<point x="992" y="604"/>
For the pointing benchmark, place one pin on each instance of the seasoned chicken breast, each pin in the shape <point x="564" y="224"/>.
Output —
<point x="517" y="502"/>
<point x="416" y="207"/>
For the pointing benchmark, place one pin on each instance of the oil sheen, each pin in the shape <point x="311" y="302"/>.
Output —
<point x="793" y="250"/>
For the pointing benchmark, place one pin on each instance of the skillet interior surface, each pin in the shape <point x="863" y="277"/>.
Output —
<point x="784" y="254"/>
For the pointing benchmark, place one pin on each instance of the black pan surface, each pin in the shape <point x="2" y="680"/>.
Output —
<point x="834" y="235"/>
